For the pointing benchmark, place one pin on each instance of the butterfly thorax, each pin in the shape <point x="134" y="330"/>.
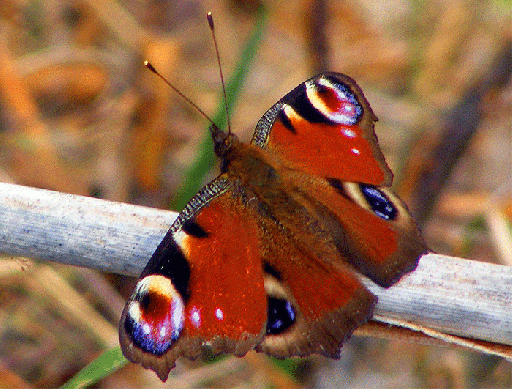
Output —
<point x="252" y="167"/>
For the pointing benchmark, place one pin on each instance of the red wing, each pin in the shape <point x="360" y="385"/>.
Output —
<point x="203" y="285"/>
<point x="324" y="127"/>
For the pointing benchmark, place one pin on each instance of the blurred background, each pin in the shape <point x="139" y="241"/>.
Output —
<point x="79" y="113"/>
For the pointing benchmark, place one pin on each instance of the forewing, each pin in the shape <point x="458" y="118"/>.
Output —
<point x="204" y="285"/>
<point x="325" y="127"/>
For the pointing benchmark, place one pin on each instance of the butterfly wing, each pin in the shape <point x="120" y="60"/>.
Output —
<point x="325" y="127"/>
<point x="322" y="132"/>
<point x="204" y="285"/>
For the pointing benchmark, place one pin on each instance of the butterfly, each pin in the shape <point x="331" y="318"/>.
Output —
<point x="268" y="256"/>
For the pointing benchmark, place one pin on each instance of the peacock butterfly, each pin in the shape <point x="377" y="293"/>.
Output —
<point x="266" y="256"/>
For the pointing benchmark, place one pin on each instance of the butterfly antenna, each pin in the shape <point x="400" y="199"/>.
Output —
<point x="212" y="29"/>
<point x="150" y="67"/>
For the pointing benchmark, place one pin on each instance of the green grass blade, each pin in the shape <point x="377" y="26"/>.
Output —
<point x="206" y="158"/>
<point x="110" y="361"/>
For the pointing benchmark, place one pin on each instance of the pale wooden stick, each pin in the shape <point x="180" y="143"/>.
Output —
<point x="452" y="295"/>
<point x="75" y="230"/>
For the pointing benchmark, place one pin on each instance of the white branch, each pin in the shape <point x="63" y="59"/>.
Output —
<point x="83" y="231"/>
<point x="453" y="295"/>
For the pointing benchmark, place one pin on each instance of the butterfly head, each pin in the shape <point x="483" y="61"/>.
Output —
<point x="223" y="142"/>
